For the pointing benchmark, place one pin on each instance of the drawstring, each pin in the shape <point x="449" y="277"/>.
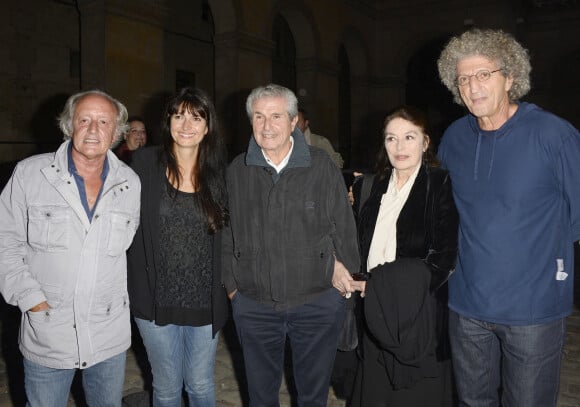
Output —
<point x="492" y="156"/>
<point x="477" y="148"/>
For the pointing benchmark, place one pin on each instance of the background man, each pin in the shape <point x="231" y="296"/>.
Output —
<point x="292" y="229"/>
<point x="317" y="140"/>
<point x="66" y="219"/>
<point x="515" y="175"/>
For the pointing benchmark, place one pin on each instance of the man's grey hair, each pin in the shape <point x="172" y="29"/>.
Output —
<point x="65" y="119"/>
<point x="273" y="90"/>
<point x="496" y="45"/>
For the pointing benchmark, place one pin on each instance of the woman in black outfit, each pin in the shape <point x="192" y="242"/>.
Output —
<point x="175" y="287"/>
<point x="408" y="242"/>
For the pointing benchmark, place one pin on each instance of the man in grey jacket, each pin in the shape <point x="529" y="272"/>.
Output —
<point x="287" y="258"/>
<point x="66" y="220"/>
<point x="317" y="140"/>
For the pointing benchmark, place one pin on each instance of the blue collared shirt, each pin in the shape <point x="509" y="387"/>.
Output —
<point x="81" y="182"/>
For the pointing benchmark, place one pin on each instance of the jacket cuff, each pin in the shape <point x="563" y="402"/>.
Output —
<point x="229" y="284"/>
<point x="31" y="299"/>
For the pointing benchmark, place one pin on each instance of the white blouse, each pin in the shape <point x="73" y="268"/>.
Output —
<point x="384" y="243"/>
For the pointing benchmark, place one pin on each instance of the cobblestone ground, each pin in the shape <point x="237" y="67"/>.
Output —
<point x="229" y="375"/>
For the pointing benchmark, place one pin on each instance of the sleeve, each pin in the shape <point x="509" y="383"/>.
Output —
<point x="228" y="279"/>
<point x="442" y="151"/>
<point x="568" y="174"/>
<point x="444" y="223"/>
<point x="227" y="250"/>
<point x="326" y="146"/>
<point x="17" y="284"/>
<point x="345" y="237"/>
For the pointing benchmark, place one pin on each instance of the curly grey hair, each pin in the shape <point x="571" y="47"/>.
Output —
<point x="512" y="58"/>
<point x="273" y="90"/>
<point x="65" y="119"/>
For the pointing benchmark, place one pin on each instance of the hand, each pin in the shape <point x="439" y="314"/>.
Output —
<point x="361" y="286"/>
<point x="40" y="307"/>
<point x="231" y="295"/>
<point x="342" y="280"/>
<point x="350" y="194"/>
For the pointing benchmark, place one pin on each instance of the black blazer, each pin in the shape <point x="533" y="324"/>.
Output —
<point x="143" y="255"/>
<point x="412" y="288"/>
<point x="426" y="227"/>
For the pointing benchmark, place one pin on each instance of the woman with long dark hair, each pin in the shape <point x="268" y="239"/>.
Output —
<point x="174" y="280"/>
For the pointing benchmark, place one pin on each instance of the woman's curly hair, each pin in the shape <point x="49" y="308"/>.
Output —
<point x="512" y="58"/>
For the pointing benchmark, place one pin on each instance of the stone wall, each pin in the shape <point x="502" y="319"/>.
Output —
<point x="139" y="51"/>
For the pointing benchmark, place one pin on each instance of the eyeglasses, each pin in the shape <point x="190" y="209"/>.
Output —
<point x="137" y="131"/>
<point x="481" y="76"/>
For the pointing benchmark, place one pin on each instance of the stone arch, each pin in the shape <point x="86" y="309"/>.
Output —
<point x="357" y="51"/>
<point x="225" y="15"/>
<point x="353" y="95"/>
<point x="423" y="87"/>
<point x="303" y="27"/>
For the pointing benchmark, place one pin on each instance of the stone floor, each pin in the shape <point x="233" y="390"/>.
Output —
<point x="229" y="371"/>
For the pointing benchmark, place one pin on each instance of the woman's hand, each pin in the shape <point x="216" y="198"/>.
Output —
<point x="350" y="194"/>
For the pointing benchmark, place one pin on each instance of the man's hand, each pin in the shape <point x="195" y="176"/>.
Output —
<point x="343" y="281"/>
<point x="39" y="307"/>
<point x="231" y="295"/>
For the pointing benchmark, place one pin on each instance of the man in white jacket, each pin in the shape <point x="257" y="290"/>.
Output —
<point x="66" y="219"/>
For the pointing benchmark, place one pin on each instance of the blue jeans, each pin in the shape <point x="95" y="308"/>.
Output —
<point x="102" y="383"/>
<point x="522" y="361"/>
<point x="312" y="330"/>
<point x="180" y="356"/>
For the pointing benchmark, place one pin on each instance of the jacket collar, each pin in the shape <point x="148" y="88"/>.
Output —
<point x="300" y="156"/>
<point x="61" y="166"/>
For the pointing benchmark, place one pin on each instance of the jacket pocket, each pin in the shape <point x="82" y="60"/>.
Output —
<point x="48" y="333"/>
<point x="246" y="269"/>
<point x="312" y="267"/>
<point x="48" y="227"/>
<point x="109" y="307"/>
<point x="109" y="322"/>
<point x="53" y="295"/>
<point x="122" y="229"/>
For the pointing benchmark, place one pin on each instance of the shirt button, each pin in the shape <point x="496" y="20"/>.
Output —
<point x="84" y="364"/>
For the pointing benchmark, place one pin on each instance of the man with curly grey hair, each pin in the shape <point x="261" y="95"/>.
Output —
<point x="66" y="220"/>
<point x="515" y="174"/>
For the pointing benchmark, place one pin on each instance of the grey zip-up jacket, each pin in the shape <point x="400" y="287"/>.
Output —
<point x="286" y="228"/>
<point x="50" y="251"/>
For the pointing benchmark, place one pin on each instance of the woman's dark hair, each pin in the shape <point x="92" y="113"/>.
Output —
<point x="419" y="119"/>
<point x="208" y="177"/>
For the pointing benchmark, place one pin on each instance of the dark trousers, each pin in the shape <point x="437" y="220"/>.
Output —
<point x="312" y="330"/>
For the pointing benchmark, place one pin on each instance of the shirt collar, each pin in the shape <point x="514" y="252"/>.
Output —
<point x="284" y="162"/>
<point x="72" y="169"/>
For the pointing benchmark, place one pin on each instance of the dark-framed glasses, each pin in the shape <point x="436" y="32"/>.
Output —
<point x="481" y="76"/>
